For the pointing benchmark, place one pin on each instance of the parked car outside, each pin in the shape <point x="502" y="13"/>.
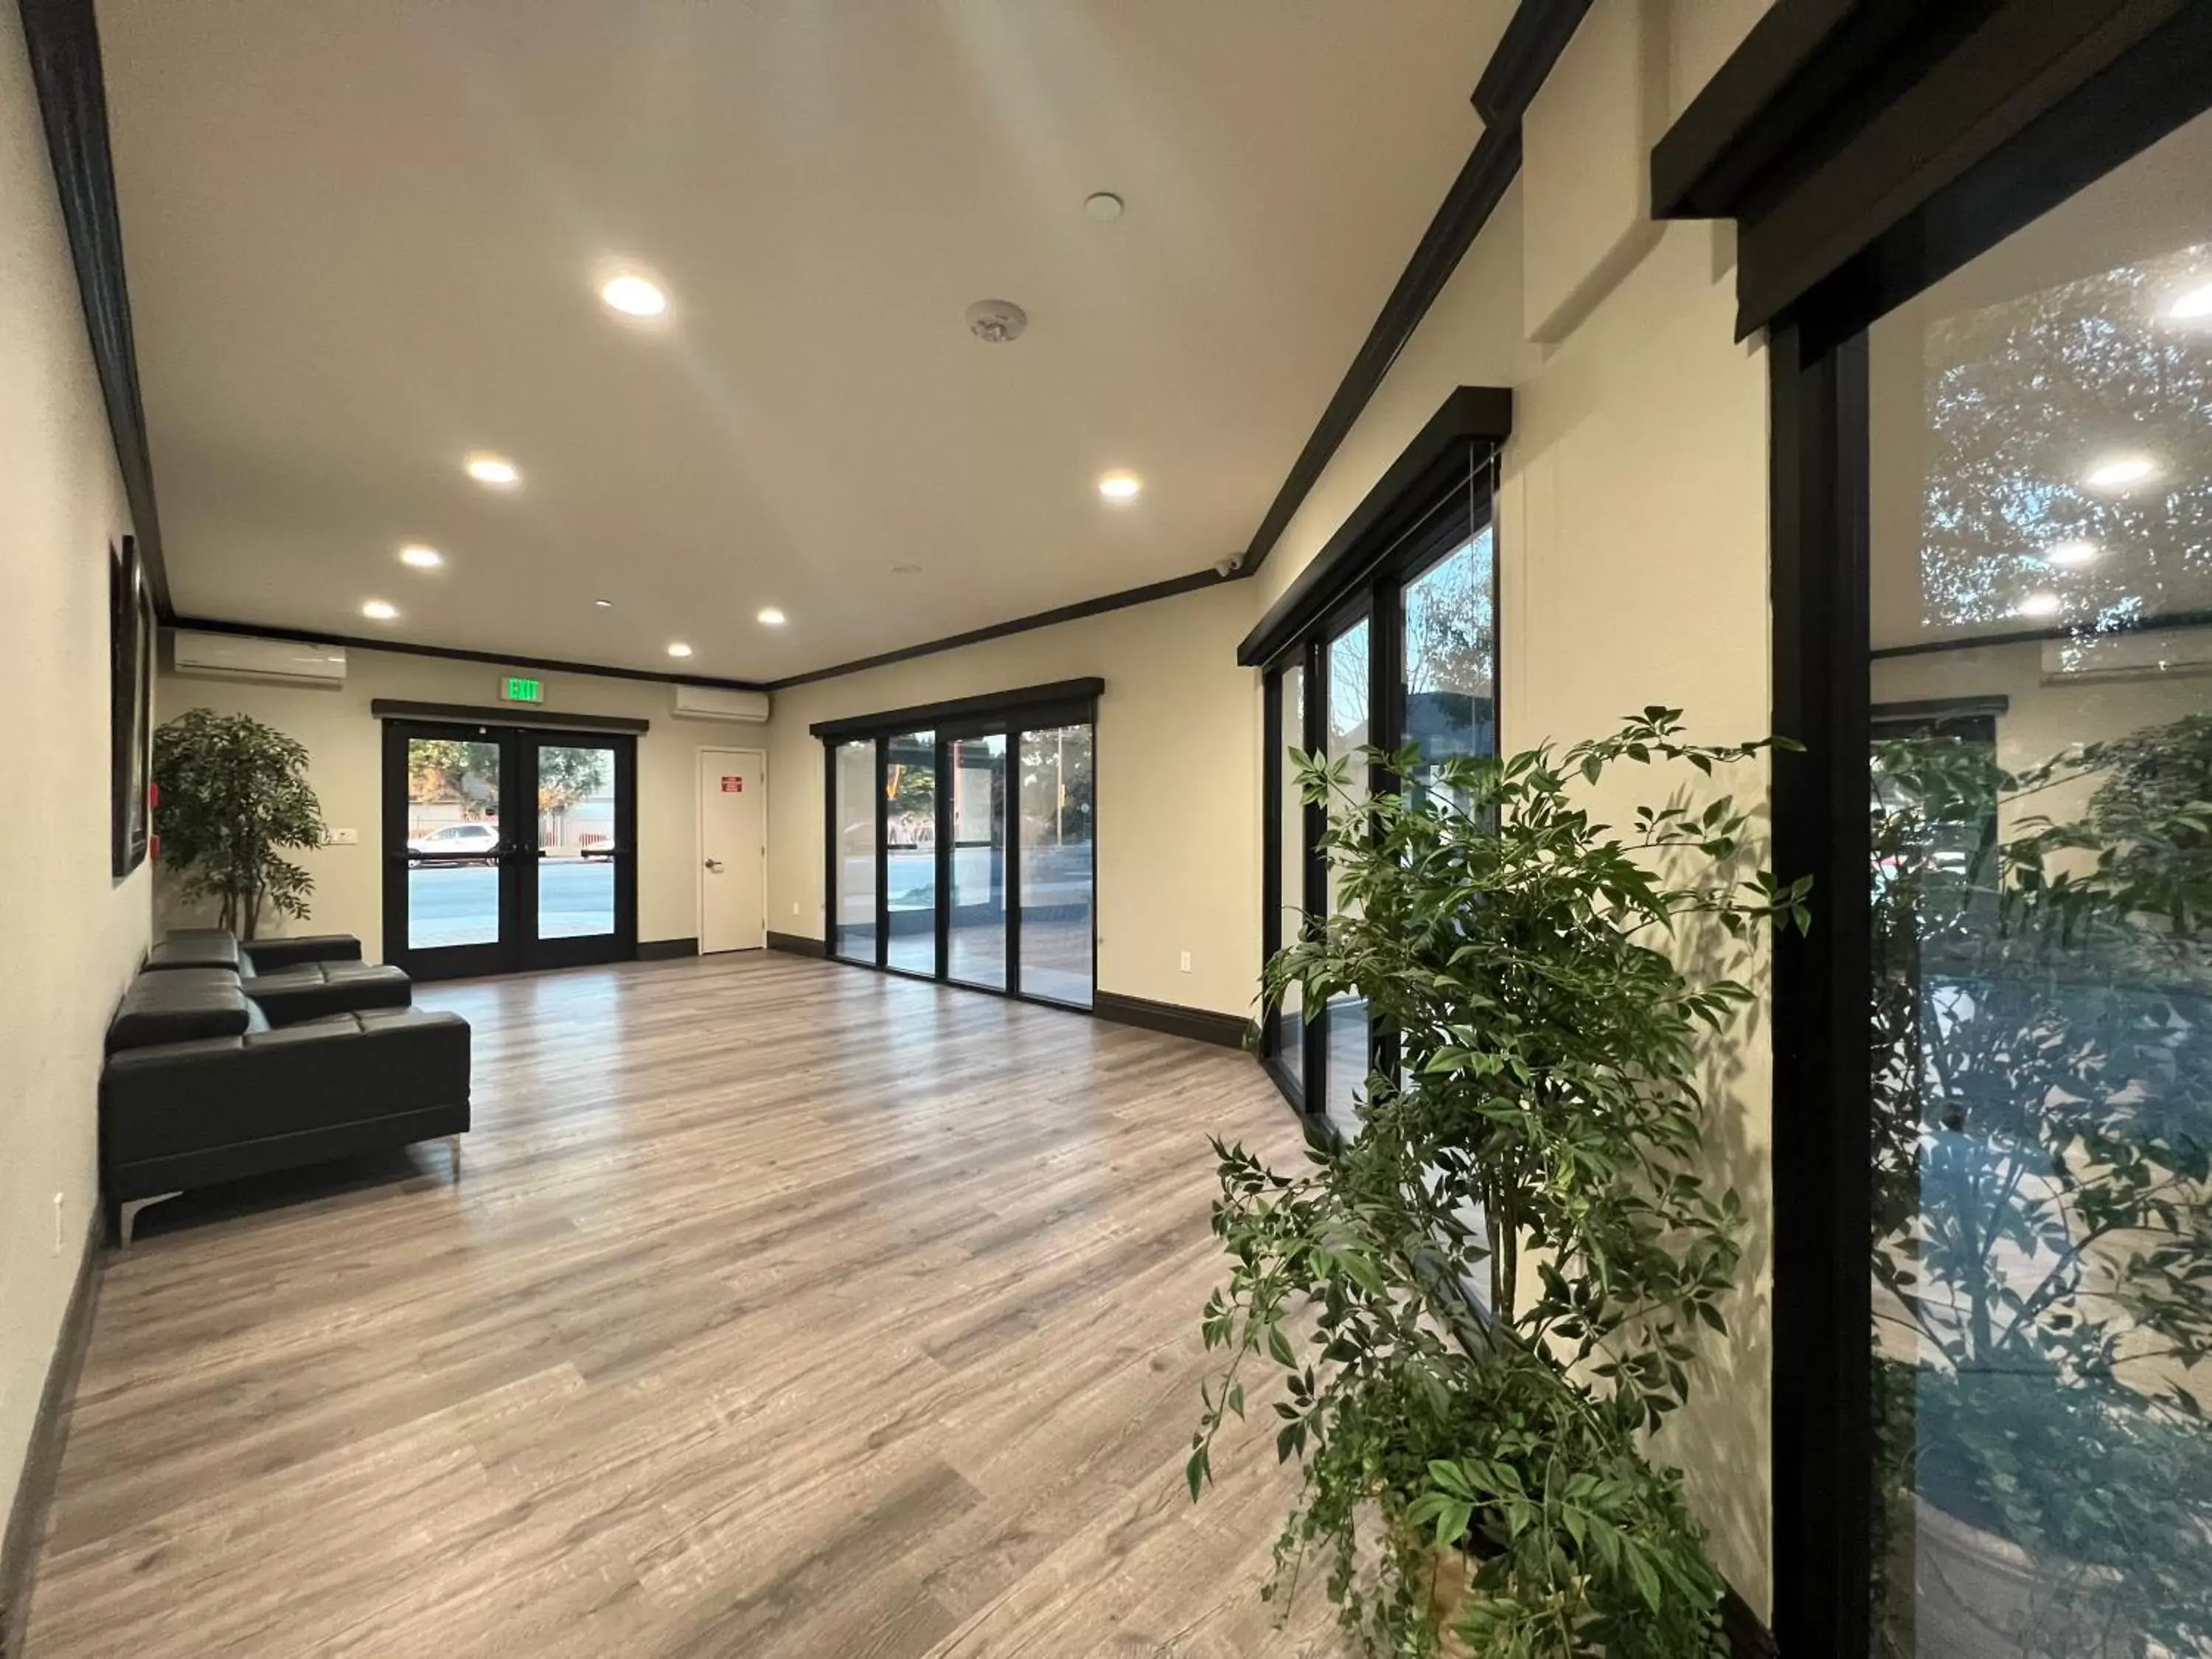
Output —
<point x="457" y="839"/>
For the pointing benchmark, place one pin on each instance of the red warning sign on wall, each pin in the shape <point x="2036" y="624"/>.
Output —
<point x="733" y="786"/>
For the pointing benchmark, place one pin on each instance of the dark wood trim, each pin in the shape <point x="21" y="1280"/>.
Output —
<point x="928" y="715"/>
<point x="1474" y="418"/>
<point x="1942" y="708"/>
<point x="1744" y="118"/>
<point x="1082" y="608"/>
<point x="2173" y="620"/>
<point x="797" y="944"/>
<point x="667" y="949"/>
<point x="1746" y="1636"/>
<point x="1491" y="167"/>
<point x="1199" y="1025"/>
<point x="502" y="714"/>
<point x="42" y="1459"/>
<point x="454" y="653"/>
<point x="1535" y="35"/>
<point x="1867" y="151"/>
<point x="63" y="41"/>
<point x="1823" y="1429"/>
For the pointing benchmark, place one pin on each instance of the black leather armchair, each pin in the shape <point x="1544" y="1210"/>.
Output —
<point x="200" y="1088"/>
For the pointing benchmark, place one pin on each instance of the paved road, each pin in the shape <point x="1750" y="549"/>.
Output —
<point x="461" y="906"/>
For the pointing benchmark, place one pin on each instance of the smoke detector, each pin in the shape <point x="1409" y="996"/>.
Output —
<point x="997" y="322"/>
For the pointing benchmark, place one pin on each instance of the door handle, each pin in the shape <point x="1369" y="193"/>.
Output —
<point x="715" y="864"/>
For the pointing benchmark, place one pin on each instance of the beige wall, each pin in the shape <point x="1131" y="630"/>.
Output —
<point x="1632" y="527"/>
<point x="1177" y="779"/>
<point x="69" y="936"/>
<point x="346" y="765"/>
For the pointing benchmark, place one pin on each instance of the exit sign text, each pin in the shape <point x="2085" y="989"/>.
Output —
<point x="515" y="688"/>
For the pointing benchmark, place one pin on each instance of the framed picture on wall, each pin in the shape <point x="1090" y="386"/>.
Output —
<point x="131" y="705"/>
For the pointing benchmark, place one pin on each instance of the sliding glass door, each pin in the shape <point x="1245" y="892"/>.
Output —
<point x="1057" y="933"/>
<point x="976" y="935"/>
<point x="965" y="851"/>
<point x="909" y="843"/>
<point x="853" y="844"/>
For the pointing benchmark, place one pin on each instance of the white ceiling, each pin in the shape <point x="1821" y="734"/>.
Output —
<point x="362" y="242"/>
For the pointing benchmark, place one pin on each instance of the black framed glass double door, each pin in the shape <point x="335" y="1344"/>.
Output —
<point x="964" y="851"/>
<point x="508" y="849"/>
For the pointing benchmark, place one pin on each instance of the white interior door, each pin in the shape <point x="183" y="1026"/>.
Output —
<point x="732" y="849"/>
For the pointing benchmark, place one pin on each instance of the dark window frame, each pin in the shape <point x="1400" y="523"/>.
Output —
<point x="1438" y="499"/>
<point x="1864" y="153"/>
<point x="1012" y="715"/>
<point x="517" y="947"/>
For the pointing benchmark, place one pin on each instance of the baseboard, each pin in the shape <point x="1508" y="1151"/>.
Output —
<point x="1747" y="1637"/>
<point x="42" y="1461"/>
<point x="1200" y="1024"/>
<point x="665" y="949"/>
<point x="798" y="944"/>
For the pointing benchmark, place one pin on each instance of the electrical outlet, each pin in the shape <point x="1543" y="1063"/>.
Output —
<point x="60" y="1204"/>
<point x="1185" y="962"/>
<point x="794" y="907"/>
<point x="344" y="838"/>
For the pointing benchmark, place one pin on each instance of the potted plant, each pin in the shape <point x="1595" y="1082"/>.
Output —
<point x="234" y="796"/>
<point x="1478" y="1308"/>
<point x="2042" y="1238"/>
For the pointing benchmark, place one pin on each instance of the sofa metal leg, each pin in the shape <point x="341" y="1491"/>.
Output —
<point x="453" y="1143"/>
<point x="128" y="1213"/>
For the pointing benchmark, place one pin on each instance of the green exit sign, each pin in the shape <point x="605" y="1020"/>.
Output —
<point x="515" y="688"/>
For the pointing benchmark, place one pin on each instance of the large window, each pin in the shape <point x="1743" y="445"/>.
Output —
<point x="961" y="842"/>
<point x="2039" y="997"/>
<point x="1398" y="644"/>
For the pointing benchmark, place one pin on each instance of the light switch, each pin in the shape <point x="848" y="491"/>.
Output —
<point x="344" y="838"/>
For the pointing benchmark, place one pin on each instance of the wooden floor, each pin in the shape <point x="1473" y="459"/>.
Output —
<point x="779" y="1308"/>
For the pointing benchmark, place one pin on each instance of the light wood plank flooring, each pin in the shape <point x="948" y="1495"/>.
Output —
<point x="779" y="1308"/>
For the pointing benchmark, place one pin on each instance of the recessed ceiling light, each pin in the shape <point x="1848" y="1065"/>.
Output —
<point x="605" y="605"/>
<point x="422" y="558"/>
<point x="493" y="469"/>
<point x="2072" y="556"/>
<point x="771" y="617"/>
<point x="632" y="296"/>
<point x="679" y="649"/>
<point x="2120" y="471"/>
<point x="1121" y="486"/>
<point x="381" y="611"/>
<point x="2041" y="604"/>
<point x="2197" y="303"/>
<point x="1104" y="206"/>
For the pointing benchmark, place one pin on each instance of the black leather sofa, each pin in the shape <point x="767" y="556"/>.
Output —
<point x="292" y="979"/>
<point x="201" y="1085"/>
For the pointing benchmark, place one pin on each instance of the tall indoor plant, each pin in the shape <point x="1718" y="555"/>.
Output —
<point x="2042" y="1240"/>
<point x="233" y="797"/>
<point x="1479" y="1306"/>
